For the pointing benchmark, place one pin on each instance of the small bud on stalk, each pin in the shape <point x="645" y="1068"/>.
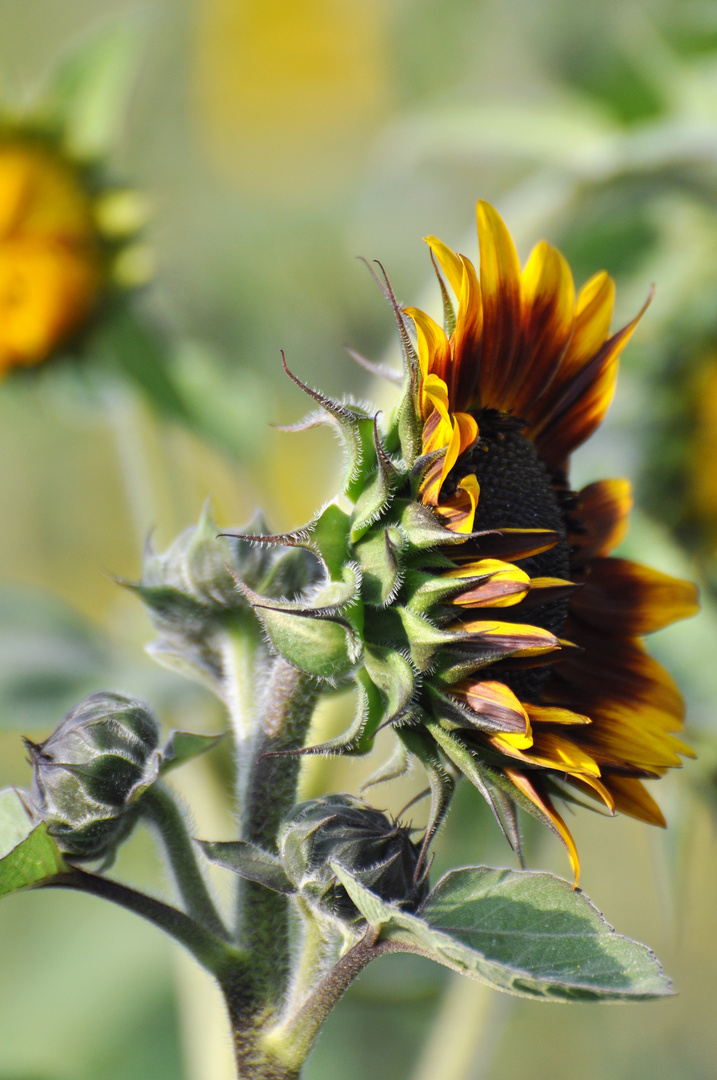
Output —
<point x="90" y="772"/>
<point x="342" y="829"/>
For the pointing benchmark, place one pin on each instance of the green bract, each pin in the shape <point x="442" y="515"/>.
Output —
<point x="89" y="774"/>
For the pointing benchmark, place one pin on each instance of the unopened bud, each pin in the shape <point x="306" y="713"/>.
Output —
<point x="88" y="775"/>
<point x="342" y="829"/>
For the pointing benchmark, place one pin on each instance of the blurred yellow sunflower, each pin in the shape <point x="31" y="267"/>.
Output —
<point x="63" y="246"/>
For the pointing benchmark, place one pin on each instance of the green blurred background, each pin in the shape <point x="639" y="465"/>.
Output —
<point x="278" y="139"/>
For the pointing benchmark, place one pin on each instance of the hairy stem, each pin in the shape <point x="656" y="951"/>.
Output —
<point x="267" y="794"/>
<point x="271" y="705"/>
<point x="292" y="1039"/>
<point x="159" y="807"/>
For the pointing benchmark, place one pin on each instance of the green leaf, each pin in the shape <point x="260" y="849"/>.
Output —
<point x="249" y="862"/>
<point x="128" y="344"/>
<point x="91" y="89"/>
<point x="521" y="931"/>
<point x="29" y="855"/>
<point x="182" y="746"/>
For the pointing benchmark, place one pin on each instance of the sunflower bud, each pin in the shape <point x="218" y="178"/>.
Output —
<point x="374" y="849"/>
<point x="195" y="593"/>
<point x="90" y="772"/>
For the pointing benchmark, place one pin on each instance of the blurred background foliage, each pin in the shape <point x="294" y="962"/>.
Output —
<point x="276" y="140"/>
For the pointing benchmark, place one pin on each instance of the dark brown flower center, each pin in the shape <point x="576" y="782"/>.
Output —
<point x="518" y="492"/>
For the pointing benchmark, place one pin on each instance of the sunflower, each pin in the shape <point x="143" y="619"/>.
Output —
<point x="469" y="592"/>
<point x="522" y="374"/>
<point x="67" y="241"/>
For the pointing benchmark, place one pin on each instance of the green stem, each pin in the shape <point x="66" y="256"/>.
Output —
<point x="210" y="950"/>
<point x="291" y="1040"/>
<point x="321" y="946"/>
<point x="271" y="705"/>
<point x="270" y="793"/>
<point x="158" y="806"/>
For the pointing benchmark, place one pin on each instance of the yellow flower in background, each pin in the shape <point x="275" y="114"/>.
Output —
<point x="702" y="463"/>
<point x="50" y="257"/>
<point x="65" y="243"/>
<point x="289" y="93"/>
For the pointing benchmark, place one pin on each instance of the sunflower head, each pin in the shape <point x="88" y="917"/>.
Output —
<point x="68" y="243"/>
<point x="468" y="591"/>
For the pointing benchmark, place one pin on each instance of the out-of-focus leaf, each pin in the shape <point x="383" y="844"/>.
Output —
<point x="128" y="345"/>
<point x="49" y="657"/>
<point x="183" y="746"/>
<point x="521" y="931"/>
<point x="90" y="91"/>
<point x="230" y="403"/>
<point x="30" y="855"/>
<point x="15" y="823"/>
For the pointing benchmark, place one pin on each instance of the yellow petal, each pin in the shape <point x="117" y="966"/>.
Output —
<point x="554" y="714"/>
<point x="593" y="315"/>
<point x="578" y="405"/>
<point x="497" y="701"/>
<point x="500" y="284"/>
<point x="545" y="805"/>
<point x="432" y="342"/>
<point x="547" y="326"/>
<point x="626" y="598"/>
<point x="448" y="261"/>
<point x="603" y="510"/>
<point x="459" y="510"/>
<point x="509" y="638"/>
<point x="632" y="798"/>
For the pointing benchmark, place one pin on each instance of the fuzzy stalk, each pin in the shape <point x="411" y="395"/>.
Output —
<point x="291" y="1040"/>
<point x="271" y="705"/>
<point x="159" y="807"/>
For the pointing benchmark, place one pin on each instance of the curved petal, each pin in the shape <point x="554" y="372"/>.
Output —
<point x="632" y="798"/>
<point x="625" y="598"/>
<point x="500" y="283"/>
<point x="459" y="511"/>
<point x="498" y="703"/>
<point x="449" y="262"/>
<point x="505" y="585"/>
<point x="602" y="509"/>
<point x="433" y="348"/>
<point x="582" y="401"/>
<point x="548" y="319"/>
<point x="593" y="315"/>
<point x="466" y="341"/>
<point x="552" y="751"/>
<point x="545" y="805"/>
